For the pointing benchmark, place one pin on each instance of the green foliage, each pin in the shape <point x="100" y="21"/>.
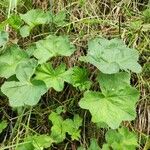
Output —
<point x="52" y="77"/>
<point x="78" y="77"/>
<point x="3" y="38"/>
<point x="94" y="145"/>
<point x="30" y="73"/>
<point x="61" y="127"/>
<point x="14" y="21"/>
<point x="117" y="97"/>
<point x="36" y="142"/>
<point x="3" y="125"/>
<point x="121" y="139"/>
<point x="37" y="17"/>
<point x="109" y="56"/>
<point x="146" y="15"/>
<point x="24" y="91"/>
<point x="53" y="46"/>
<point x="9" y="60"/>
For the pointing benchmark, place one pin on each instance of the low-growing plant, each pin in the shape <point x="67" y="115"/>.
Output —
<point x="36" y="74"/>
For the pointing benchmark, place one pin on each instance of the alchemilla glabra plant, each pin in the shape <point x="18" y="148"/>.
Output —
<point x="35" y="75"/>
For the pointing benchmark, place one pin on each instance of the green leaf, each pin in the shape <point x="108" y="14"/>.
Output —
<point x="36" y="142"/>
<point x="59" y="19"/>
<point x="109" y="56"/>
<point x="61" y="127"/>
<point x="15" y="21"/>
<point x="25" y="31"/>
<point x="41" y="141"/>
<point x="72" y="127"/>
<point x="105" y="107"/>
<point x="121" y="139"/>
<point x="24" y="92"/>
<point x="79" y="78"/>
<point x="3" y="125"/>
<point x="35" y="17"/>
<point x="52" y="77"/>
<point x="25" y="70"/>
<point x="57" y="131"/>
<point x="3" y="38"/>
<point x="10" y="59"/>
<point x="94" y="145"/>
<point x="53" y="46"/>
<point x="25" y="146"/>
<point x="146" y="15"/>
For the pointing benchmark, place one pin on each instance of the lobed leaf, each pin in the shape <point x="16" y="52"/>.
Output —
<point x="61" y="127"/>
<point x="53" y="46"/>
<point x="52" y="77"/>
<point x="121" y="139"/>
<point x="78" y="77"/>
<point x="112" y="106"/>
<point x="24" y="91"/>
<point x="109" y="56"/>
<point x="10" y="59"/>
<point x="35" y="17"/>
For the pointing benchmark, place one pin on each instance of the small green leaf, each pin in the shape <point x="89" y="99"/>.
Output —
<point x="35" y="17"/>
<point x="72" y="127"/>
<point x="10" y="59"/>
<point x="79" y="78"/>
<point x="61" y="127"/>
<point x="94" y="145"/>
<point x="41" y="141"/>
<point x="15" y="21"/>
<point x="57" y="131"/>
<point x="53" y="46"/>
<point x="3" y="125"/>
<point x="59" y="19"/>
<point x="146" y="15"/>
<point x="109" y="56"/>
<point x="36" y="142"/>
<point x="113" y="100"/>
<point x="3" y="38"/>
<point x="52" y="77"/>
<point x="121" y="139"/>
<point x="25" y="31"/>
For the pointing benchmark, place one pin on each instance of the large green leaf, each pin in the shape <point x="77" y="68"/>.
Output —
<point x="114" y="104"/>
<point x="53" y="46"/>
<point x="109" y="56"/>
<point x="25" y="91"/>
<point x="52" y="77"/>
<point x="120" y="140"/>
<point x="10" y="59"/>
